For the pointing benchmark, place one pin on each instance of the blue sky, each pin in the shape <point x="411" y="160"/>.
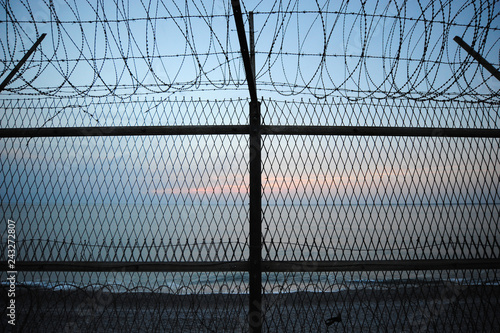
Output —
<point x="140" y="50"/>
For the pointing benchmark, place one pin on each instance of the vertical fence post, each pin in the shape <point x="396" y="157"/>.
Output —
<point x="255" y="284"/>
<point x="255" y="318"/>
<point x="252" y="44"/>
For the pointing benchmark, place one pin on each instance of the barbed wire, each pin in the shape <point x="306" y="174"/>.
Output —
<point x="353" y="49"/>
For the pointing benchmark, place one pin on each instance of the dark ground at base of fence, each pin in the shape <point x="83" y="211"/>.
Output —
<point x="427" y="308"/>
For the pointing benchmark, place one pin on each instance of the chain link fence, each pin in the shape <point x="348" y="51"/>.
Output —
<point x="96" y="204"/>
<point x="372" y="207"/>
<point x="150" y="232"/>
<point x="369" y="200"/>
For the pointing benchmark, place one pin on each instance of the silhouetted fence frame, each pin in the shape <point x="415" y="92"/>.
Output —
<point x="255" y="264"/>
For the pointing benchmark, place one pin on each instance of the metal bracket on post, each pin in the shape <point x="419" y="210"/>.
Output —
<point x="21" y="62"/>
<point x="255" y="317"/>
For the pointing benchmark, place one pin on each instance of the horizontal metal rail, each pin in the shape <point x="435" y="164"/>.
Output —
<point x="123" y="131"/>
<point x="245" y="129"/>
<point x="381" y="131"/>
<point x="267" y="266"/>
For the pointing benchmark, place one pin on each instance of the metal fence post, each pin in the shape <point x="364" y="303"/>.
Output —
<point x="255" y="269"/>
<point x="483" y="62"/>
<point x="255" y="283"/>
<point x="16" y="69"/>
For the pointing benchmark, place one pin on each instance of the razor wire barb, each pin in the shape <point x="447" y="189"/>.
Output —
<point x="313" y="49"/>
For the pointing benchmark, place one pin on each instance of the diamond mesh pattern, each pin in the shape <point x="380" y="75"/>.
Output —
<point x="185" y="199"/>
<point x="339" y="111"/>
<point x="361" y="198"/>
<point x="128" y="198"/>
<point x="114" y="111"/>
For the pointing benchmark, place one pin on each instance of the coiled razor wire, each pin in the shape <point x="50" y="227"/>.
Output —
<point x="355" y="49"/>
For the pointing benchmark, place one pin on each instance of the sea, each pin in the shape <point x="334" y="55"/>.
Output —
<point x="202" y="233"/>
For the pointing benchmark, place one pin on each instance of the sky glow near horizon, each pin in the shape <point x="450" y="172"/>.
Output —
<point x="159" y="62"/>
